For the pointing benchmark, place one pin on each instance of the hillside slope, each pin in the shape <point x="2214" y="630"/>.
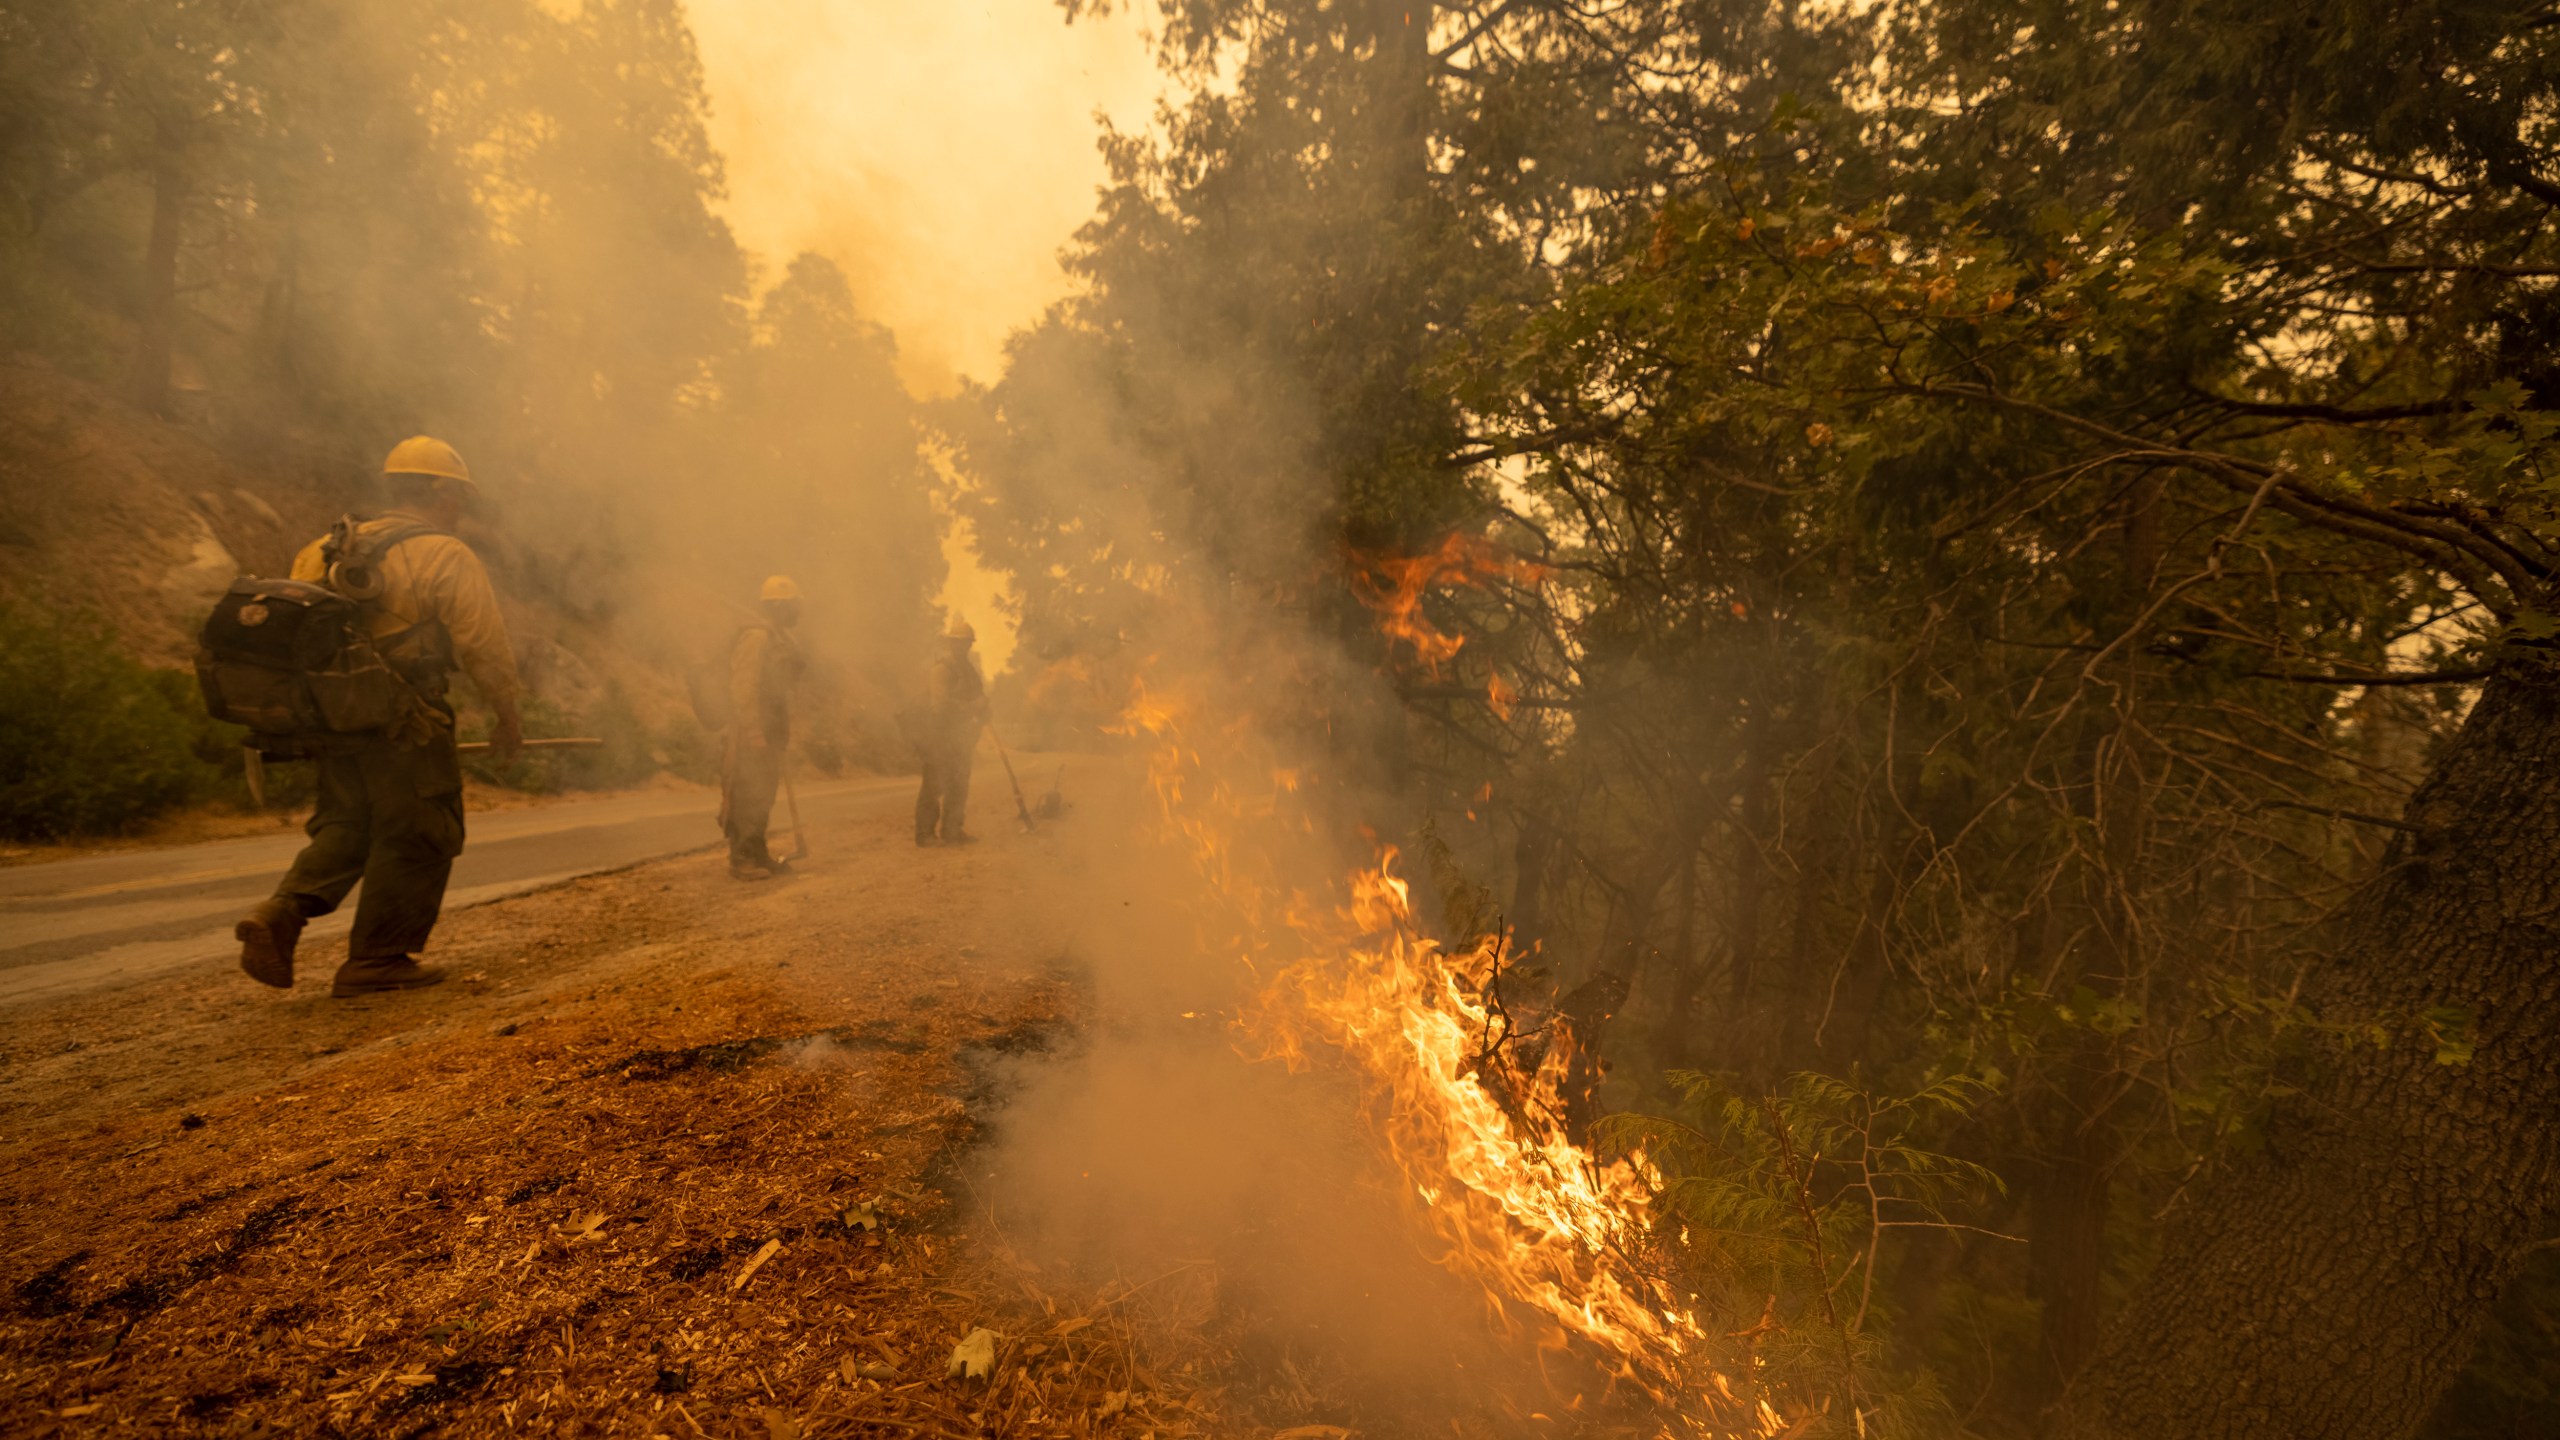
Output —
<point x="142" y="521"/>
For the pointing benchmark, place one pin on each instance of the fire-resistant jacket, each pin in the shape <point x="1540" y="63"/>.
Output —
<point x="433" y="578"/>
<point x="955" y="699"/>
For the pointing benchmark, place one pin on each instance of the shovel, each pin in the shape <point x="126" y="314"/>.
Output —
<point x="1020" y="807"/>
<point x="799" y="832"/>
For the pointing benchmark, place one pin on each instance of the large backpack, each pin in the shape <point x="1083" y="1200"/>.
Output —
<point x="294" y="661"/>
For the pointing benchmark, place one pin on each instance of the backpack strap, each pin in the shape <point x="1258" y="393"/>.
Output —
<point x="423" y="652"/>
<point x="349" y="545"/>
<point x="352" y="560"/>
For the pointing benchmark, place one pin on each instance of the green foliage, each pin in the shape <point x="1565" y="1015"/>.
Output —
<point x="90" y="741"/>
<point x="1794" y="1196"/>
<point x="628" y="755"/>
<point x="692" y="753"/>
<point x="1973" y="452"/>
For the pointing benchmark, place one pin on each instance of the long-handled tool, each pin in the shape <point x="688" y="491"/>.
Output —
<point x="254" y="762"/>
<point x="574" y="742"/>
<point x="1020" y="806"/>
<point x="799" y="832"/>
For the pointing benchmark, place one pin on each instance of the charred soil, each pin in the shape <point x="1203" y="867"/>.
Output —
<point x="670" y="1155"/>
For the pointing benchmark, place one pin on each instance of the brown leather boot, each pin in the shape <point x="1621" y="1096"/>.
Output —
<point x="267" y="936"/>
<point x="381" y="974"/>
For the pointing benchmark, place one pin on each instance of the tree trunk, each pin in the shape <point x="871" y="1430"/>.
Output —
<point x="155" y="337"/>
<point x="2331" y="1284"/>
<point x="1530" y="860"/>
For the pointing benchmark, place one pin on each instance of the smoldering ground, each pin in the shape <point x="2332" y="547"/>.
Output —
<point x="1244" y="1204"/>
<point x="1239" y="1213"/>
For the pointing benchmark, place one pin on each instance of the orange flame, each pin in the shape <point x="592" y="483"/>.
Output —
<point x="1394" y="587"/>
<point x="1550" y="1232"/>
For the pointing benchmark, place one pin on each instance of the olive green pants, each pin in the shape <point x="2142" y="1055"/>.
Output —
<point x="942" y="800"/>
<point x="389" y="817"/>
<point x="747" y="782"/>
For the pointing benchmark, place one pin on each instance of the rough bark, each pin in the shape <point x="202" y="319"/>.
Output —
<point x="2331" y="1284"/>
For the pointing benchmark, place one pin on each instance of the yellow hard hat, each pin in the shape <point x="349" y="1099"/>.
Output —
<point x="426" y="455"/>
<point x="779" y="587"/>
<point x="960" y="629"/>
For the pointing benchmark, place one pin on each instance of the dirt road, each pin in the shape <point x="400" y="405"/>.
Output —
<point x="114" y="919"/>
<point x="671" y="1156"/>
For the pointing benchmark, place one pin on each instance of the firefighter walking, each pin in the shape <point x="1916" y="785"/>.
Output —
<point x="763" y="663"/>
<point x="955" y="710"/>
<point x="389" y="811"/>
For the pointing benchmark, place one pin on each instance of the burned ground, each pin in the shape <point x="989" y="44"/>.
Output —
<point x="672" y="1155"/>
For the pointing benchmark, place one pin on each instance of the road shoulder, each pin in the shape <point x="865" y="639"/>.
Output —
<point x="670" y="1145"/>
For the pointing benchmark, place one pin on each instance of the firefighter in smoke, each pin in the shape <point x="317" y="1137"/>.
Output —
<point x="763" y="663"/>
<point x="955" y="710"/>
<point x="389" y="809"/>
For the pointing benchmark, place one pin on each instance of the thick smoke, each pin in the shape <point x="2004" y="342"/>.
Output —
<point x="499" y="222"/>
<point x="1163" y="519"/>
<point x="1246" y="1199"/>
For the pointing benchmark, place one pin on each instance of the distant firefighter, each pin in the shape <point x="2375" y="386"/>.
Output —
<point x="389" y="812"/>
<point x="955" y="710"/>
<point x="763" y="664"/>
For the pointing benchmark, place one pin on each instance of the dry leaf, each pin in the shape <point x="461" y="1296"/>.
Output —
<point x="1312" y="1432"/>
<point x="779" y="1426"/>
<point x="974" y="1358"/>
<point x="865" y="1216"/>
<point x="755" y="1263"/>
<point x="1069" y="1327"/>
<point x="415" y="1378"/>
<point x="581" y="1225"/>
<point x="1114" y="1403"/>
<point x="69" y="1412"/>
